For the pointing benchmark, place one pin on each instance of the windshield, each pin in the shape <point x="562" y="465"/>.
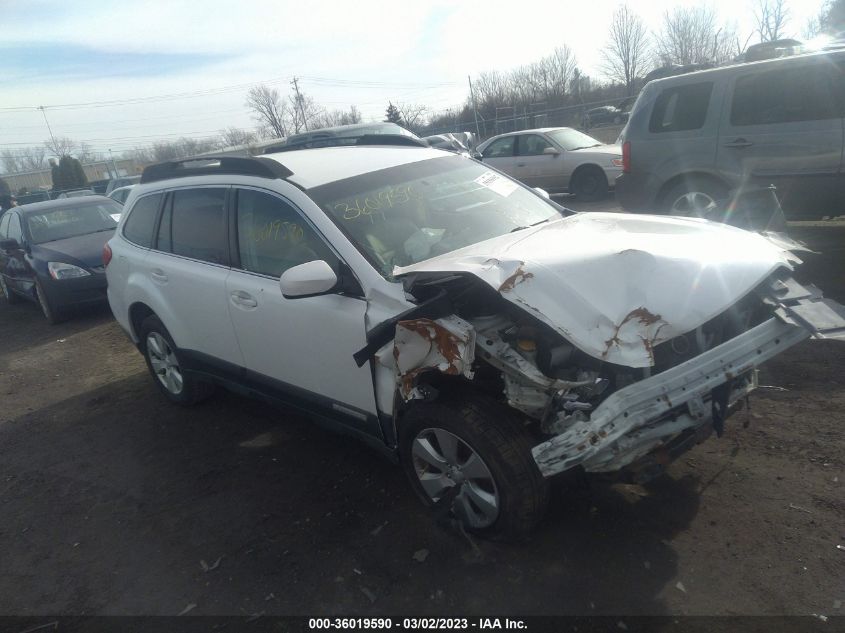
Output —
<point x="406" y="214"/>
<point x="64" y="222"/>
<point x="570" y="139"/>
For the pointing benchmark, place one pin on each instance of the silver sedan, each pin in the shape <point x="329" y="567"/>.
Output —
<point x="557" y="159"/>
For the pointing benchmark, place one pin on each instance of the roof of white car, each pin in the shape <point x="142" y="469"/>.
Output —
<point x="315" y="167"/>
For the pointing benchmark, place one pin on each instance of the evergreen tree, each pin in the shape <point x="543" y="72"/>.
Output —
<point x="393" y="115"/>
<point x="68" y="174"/>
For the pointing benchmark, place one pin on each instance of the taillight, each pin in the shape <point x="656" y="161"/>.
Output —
<point x="106" y="254"/>
<point x="626" y="157"/>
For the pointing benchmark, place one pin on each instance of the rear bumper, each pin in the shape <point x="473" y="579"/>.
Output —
<point x="637" y="192"/>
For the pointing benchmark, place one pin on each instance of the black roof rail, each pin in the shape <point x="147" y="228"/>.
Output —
<point x="214" y="165"/>
<point x="349" y="141"/>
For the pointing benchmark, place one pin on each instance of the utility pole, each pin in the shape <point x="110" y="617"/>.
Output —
<point x="113" y="166"/>
<point x="53" y="140"/>
<point x="474" y="107"/>
<point x="299" y="102"/>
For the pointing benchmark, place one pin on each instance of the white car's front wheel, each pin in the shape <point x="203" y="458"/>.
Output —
<point x="470" y="457"/>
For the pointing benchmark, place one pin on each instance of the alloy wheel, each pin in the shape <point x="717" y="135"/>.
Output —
<point x="164" y="363"/>
<point x="442" y="461"/>
<point x="694" y="204"/>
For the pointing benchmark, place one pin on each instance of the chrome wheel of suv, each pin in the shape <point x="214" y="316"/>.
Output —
<point x="164" y="363"/>
<point x="696" y="204"/>
<point x="442" y="461"/>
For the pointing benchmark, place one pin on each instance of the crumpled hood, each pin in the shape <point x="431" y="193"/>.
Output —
<point x="611" y="150"/>
<point x="616" y="285"/>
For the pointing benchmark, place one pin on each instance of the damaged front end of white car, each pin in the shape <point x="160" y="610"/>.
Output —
<point x="621" y="340"/>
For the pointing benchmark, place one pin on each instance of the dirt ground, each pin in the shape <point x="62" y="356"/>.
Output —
<point x="113" y="501"/>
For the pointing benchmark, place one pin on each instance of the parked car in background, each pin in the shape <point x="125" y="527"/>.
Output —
<point x="458" y="142"/>
<point x="693" y="138"/>
<point x="33" y="196"/>
<point x="122" y="181"/>
<point x="75" y="193"/>
<point x="557" y="160"/>
<point x="452" y="318"/>
<point x="604" y="115"/>
<point x="99" y="186"/>
<point x="342" y="135"/>
<point x="120" y="194"/>
<point x="51" y="253"/>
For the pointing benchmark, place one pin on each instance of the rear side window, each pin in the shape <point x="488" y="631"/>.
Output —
<point x="14" y="231"/>
<point x="138" y="228"/>
<point x="195" y="225"/>
<point x="4" y="222"/>
<point x="681" y="108"/>
<point x="804" y="93"/>
<point x="272" y="236"/>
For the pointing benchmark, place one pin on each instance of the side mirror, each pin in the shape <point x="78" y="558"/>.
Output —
<point x="542" y="192"/>
<point x="307" y="280"/>
<point x="551" y="151"/>
<point x="476" y="155"/>
<point x="9" y="245"/>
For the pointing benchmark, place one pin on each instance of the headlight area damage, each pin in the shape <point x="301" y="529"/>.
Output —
<point x="624" y="367"/>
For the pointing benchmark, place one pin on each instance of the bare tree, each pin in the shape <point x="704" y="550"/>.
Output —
<point x="232" y="136"/>
<point x="771" y="17"/>
<point x="627" y="53"/>
<point x="36" y="158"/>
<point x="269" y="111"/>
<point x="10" y="161"/>
<point x="413" y="115"/>
<point x="690" y="35"/>
<point x="60" y="145"/>
<point x="304" y="112"/>
<point x="337" y="117"/>
<point x="86" y="154"/>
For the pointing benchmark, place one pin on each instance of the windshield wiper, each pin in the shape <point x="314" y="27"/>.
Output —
<point x="528" y="226"/>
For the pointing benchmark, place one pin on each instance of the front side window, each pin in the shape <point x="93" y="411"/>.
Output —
<point x="138" y="227"/>
<point x="784" y="96"/>
<point x="681" y="108"/>
<point x="502" y="148"/>
<point x="194" y="225"/>
<point x="408" y="213"/>
<point x="65" y="222"/>
<point x="532" y="145"/>
<point x="272" y="236"/>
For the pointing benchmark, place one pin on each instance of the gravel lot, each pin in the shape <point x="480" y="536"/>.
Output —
<point x="115" y="502"/>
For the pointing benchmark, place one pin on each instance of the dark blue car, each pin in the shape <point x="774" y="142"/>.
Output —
<point x="51" y="252"/>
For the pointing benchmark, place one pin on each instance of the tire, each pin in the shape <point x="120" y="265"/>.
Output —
<point x="589" y="183"/>
<point x="48" y="308"/>
<point x="492" y="461"/>
<point x="10" y="296"/>
<point x="694" y="197"/>
<point x="162" y="358"/>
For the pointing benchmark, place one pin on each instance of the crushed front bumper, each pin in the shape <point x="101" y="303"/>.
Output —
<point x="643" y="416"/>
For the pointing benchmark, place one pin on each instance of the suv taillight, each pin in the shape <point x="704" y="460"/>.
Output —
<point x="626" y="157"/>
<point x="106" y="255"/>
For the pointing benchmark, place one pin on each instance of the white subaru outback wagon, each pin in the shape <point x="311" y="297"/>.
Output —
<point x="481" y="335"/>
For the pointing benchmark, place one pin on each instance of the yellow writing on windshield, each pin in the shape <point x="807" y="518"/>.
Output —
<point x="375" y="203"/>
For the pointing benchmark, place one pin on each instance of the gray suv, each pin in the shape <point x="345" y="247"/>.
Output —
<point x="692" y="138"/>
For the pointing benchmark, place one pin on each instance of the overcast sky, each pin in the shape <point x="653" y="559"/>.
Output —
<point x="188" y="65"/>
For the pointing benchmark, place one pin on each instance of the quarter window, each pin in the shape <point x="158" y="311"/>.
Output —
<point x="142" y="217"/>
<point x="784" y="96"/>
<point x="272" y="236"/>
<point x="195" y="225"/>
<point x="681" y="108"/>
<point x="501" y="148"/>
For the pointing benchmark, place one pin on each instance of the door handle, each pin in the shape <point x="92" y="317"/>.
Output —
<point x="158" y="275"/>
<point x="739" y="143"/>
<point x="244" y="299"/>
